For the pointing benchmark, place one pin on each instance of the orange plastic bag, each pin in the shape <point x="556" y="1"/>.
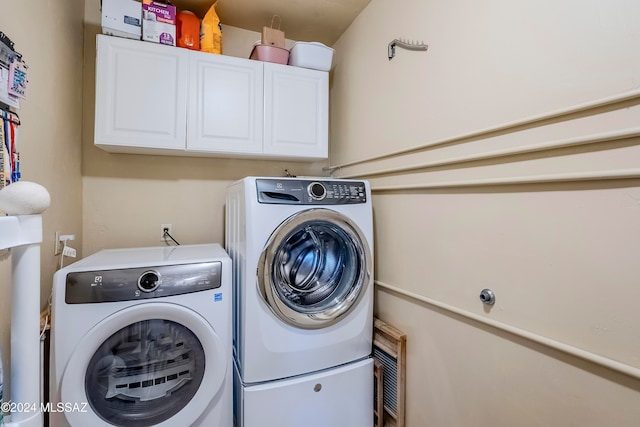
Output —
<point x="211" y="36"/>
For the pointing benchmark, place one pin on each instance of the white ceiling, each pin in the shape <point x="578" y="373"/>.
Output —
<point x="302" y="20"/>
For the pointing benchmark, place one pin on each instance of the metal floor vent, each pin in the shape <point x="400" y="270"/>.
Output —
<point x="389" y="352"/>
<point x="378" y="409"/>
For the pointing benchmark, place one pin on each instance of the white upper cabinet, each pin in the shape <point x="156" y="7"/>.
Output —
<point x="296" y="108"/>
<point x="160" y="99"/>
<point x="141" y="95"/>
<point x="225" y="104"/>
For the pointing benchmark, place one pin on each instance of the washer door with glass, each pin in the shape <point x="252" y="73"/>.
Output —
<point x="315" y="268"/>
<point x="152" y="364"/>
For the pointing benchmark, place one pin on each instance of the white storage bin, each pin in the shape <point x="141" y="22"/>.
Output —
<point x="314" y="55"/>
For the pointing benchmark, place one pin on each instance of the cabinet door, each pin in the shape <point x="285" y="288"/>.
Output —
<point x="225" y="105"/>
<point x="141" y="95"/>
<point x="296" y="103"/>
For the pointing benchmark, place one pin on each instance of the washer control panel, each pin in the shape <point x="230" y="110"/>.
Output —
<point x="141" y="283"/>
<point x="287" y="191"/>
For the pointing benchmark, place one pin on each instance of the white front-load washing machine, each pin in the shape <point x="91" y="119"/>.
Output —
<point x="302" y="251"/>
<point x="142" y="337"/>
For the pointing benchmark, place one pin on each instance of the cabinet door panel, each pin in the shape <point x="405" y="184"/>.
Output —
<point x="225" y="104"/>
<point x="140" y="95"/>
<point x="296" y="111"/>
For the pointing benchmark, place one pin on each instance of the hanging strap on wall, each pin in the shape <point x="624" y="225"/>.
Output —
<point x="6" y="114"/>
<point x="9" y="155"/>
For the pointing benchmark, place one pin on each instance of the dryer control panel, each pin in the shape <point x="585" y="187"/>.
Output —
<point x="141" y="283"/>
<point x="287" y="191"/>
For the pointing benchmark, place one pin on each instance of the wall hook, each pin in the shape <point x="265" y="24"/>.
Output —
<point x="410" y="45"/>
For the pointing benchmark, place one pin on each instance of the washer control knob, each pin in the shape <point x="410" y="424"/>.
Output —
<point x="149" y="281"/>
<point x="317" y="191"/>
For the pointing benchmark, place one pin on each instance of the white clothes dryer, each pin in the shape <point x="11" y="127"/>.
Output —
<point x="142" y="337"/>
<point x="302" y="251"/>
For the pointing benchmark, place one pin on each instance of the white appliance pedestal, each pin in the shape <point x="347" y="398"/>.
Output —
<point x="337" y="397"/>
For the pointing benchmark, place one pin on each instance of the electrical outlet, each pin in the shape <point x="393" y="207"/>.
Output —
<point x="60" y="242"/>
<point x="163" y="228"/>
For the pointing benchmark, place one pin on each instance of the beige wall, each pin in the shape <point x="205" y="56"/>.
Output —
<point x="127" y="197"/>
<point x="49" y="36"/>
<point x="504" y="157"/>
<point x="561" y="256"/>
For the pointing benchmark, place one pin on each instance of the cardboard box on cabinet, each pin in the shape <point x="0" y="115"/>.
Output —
<point x="158" y="22"/>
<point x="122" y="18"/>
